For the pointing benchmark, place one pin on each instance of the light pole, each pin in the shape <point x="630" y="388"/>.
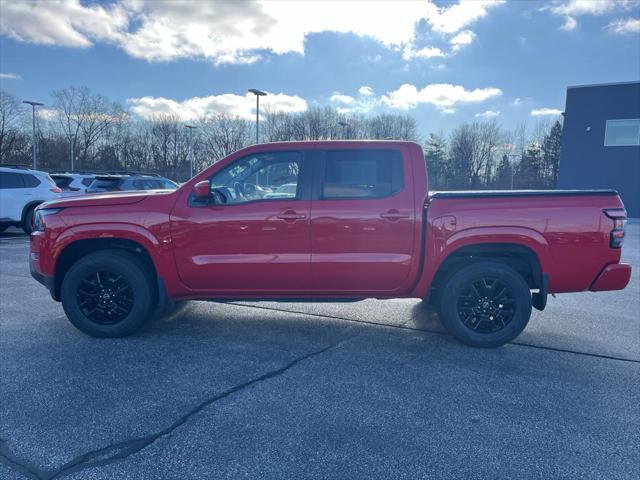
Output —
<point x="190" y="127"/>
<point x="72" y="144"/>
<point x="33" y="109"/>
<point x="258" y="94"/>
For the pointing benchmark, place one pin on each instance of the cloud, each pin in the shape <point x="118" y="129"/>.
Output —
<point x="442" y="95"/>
<point x="365" y="91"/>
<point x="521" y="101"/>
<point x="463" y="38"/>
<point x="229" y="103"/>
<point x="409" y="52"/>
<point x="226" y="32"/>
<point x="488" y="114"/>
<point x="570" y="24"/>
<point x="10" y="76"/>
<point x="451" y="19"/>
<point x="582" y="7"/>
<point x="575" y="8"/>
<point x="65" y="23"/>
<point x="624" y="26"/>
<point x="540" y="112"/>
<point x="339" y="98"/>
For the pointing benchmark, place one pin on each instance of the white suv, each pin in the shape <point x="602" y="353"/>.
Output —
<point x="22" y="190"/>
<point x="76" y="183"/>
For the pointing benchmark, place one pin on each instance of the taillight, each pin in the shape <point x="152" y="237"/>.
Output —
<point x="619" y="217"/>
<point x="56" y="190"/>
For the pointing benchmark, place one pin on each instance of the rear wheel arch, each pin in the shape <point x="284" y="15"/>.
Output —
<point x="521" y="258"/>
<point x="29" y="206"/>
<point x="27" y="210"/>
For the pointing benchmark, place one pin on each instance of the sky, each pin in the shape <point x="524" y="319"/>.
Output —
<point x="442" y="62"/>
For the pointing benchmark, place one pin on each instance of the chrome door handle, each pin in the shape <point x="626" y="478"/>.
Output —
<point x="393" y="215"/>
<point x="291" y="216"/>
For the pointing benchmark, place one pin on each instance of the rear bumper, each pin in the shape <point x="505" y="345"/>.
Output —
<point x="613" y="277"/>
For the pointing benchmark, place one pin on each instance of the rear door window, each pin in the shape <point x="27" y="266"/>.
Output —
<point x="105" y="184"/>
<point x="11" y="180"/>
<point x="362" y="174"/>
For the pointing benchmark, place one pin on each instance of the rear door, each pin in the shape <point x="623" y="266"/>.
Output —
<point x="13" y="195"/>
<point x="363" y="222"/>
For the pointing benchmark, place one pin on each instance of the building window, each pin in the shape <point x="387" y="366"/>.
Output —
<point x="622" y="132"/>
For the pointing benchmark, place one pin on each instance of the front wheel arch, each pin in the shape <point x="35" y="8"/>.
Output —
<point x="80" y="248"/>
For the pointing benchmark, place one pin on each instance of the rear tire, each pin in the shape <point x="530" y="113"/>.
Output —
<point x="27" y="222"/>
<point x="109" y="293"/>
<point x="485" y="304"/>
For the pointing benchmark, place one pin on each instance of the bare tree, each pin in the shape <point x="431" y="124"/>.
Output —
<point x="84" y="118"/>
<point x="11" y="112"/>
<point x="473" y="149"/>
<point x="223" y="134"/>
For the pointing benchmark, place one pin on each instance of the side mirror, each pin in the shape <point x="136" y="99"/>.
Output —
<point x="202" y="190"/>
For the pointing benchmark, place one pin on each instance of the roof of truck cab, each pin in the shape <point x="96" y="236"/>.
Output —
<point x="323" y="144"/>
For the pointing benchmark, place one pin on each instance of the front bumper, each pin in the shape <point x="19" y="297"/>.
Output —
<point x="613" y="277"/>
<point x="45" y="280"/>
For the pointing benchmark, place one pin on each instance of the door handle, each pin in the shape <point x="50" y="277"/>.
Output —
<point x="291" y="216"/>
<point x="393" y="215"/>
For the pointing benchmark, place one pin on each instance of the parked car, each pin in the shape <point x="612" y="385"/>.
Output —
<point x="71" y="182"/>
<point x="118" y="182"/>
<point x="288" y="190"/>
<point x="362" y="224"/>
<point x="21" y="191"/>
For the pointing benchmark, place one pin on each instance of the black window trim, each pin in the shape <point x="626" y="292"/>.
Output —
<point x="304" y="183"/>
<point x="321" y="171"/>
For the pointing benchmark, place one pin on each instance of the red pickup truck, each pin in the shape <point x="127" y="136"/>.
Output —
<point x="327" y="221"/>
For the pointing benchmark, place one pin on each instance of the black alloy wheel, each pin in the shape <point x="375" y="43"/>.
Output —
<point x="486" y="305"/>
<point x="109" y="293"/>
<point x="105" y="297"/>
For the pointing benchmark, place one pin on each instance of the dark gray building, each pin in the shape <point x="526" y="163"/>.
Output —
<point x="601" y="140"/>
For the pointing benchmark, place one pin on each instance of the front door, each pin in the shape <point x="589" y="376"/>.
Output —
<point x="254" y="235"/>
<point x="363" y="223"/>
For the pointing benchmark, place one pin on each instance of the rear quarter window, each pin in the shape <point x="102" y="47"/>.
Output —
<point x="31" y="181"/>
<point x="362" y="173"/>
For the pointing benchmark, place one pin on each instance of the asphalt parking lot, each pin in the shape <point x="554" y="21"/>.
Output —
<point x="366" y="390"/>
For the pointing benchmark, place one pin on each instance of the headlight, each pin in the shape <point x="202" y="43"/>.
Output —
<point x="39" y="219"/>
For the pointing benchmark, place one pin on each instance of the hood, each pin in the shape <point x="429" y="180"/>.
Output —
<point x="104" y="199"/>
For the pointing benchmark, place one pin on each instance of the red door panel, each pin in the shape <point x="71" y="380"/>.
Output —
<point x="363" y="245"/>
<point x="253" y="247"/>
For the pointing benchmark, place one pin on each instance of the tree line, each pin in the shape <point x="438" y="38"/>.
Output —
<point x="97" y="134"/>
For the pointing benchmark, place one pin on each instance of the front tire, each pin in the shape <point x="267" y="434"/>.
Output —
<point x="485" y="304"/>
<point x="108" y="294"/>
